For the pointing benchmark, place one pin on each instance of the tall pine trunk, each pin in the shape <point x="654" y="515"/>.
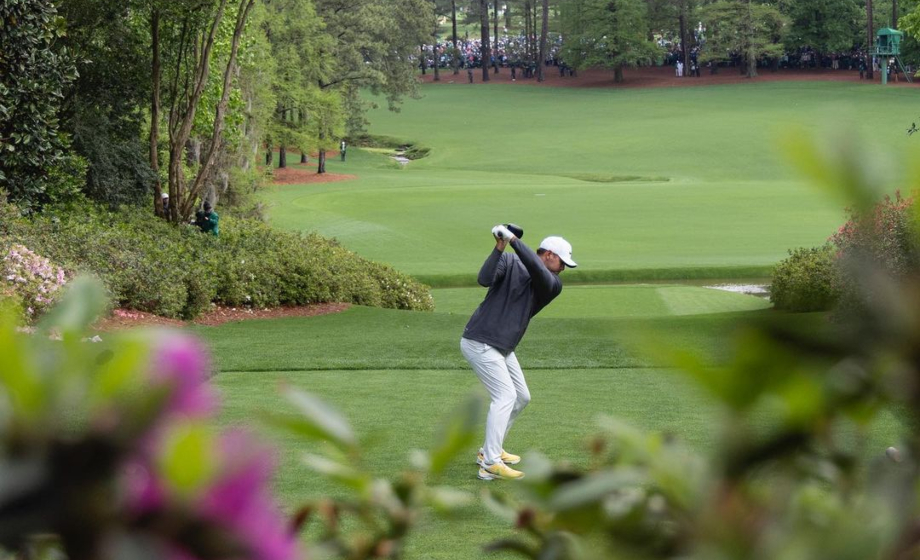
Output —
<point x="453" y="21"/>
<point x="870" y="40"/>
<point x="894" y="14"/>
<point x="484" y="36"/>
<point x="534" y="38"/>
<point x="435" y="54"/>
<point x="495" y="34"/>
<point x="156" y="72"/>
<point x="282" y="157"/>
<point x="751" y="53"/>
<point x="684" y="51"/>
<point x="321" y="162"/>
<point x="528" y="27"/>
<point x="544" y="31"/>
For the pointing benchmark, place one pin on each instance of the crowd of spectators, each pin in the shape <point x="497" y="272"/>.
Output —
<point x="506" y="52"/>
<point x="516" y="53"/>
<point x="804" y="58"/>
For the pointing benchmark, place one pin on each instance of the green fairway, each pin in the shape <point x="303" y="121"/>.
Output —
<point x="667" y="183"/>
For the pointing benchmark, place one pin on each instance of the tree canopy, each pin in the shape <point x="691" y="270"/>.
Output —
<point x="607" y="33"/>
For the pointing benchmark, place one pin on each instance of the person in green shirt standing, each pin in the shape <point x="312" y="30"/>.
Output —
<point x="207" y="219"/>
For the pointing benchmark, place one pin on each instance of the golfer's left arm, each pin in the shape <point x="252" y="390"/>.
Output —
<point x="545" y="283"/>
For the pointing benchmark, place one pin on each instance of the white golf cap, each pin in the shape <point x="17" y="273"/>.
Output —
<point x="561" y="247"/>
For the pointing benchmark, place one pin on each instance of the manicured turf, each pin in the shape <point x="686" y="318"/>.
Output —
<point x="365" y="338"/>
<point x="716" y="192"/>
<point x="616" y="301"/>
<point x="396" y="374"/>
<point x="398" y="411"/>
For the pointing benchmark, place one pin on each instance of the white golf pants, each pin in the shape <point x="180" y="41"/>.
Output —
<point x="504" y="380"/>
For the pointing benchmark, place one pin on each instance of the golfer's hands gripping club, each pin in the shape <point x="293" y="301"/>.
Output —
<point x="503" y="236"/>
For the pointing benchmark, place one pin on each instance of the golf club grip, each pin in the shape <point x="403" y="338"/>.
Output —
<point x="517" y="230"/>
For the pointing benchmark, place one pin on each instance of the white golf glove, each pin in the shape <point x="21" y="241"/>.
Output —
<point x="502" y="232"/>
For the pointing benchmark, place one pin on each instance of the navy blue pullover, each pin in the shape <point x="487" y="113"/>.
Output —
<point x="520" y="286"/>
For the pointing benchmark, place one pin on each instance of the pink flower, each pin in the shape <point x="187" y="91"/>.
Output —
<point x="237" y="500"/>
<point x="182" y="362"/>
<point x="241" y="501"/>
<point x="143" y="491"/>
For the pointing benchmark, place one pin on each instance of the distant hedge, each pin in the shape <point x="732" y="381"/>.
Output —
<point x="806" y="280"/>
<point x="822" y="278"/>
<point x="150" y="265"/>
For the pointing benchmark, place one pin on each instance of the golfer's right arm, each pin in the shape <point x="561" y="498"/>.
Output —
<point x="492" y="270"/>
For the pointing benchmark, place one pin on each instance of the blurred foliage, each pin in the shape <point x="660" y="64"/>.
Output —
<point x="785" y="480"/>
<point x="109" y="448"/>
<point x="376" y="515"/>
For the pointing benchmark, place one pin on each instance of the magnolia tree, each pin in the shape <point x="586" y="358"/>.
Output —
<point x="34" y="159"/>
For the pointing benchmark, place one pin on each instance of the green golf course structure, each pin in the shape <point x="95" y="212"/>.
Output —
<point x="652" y="187"/>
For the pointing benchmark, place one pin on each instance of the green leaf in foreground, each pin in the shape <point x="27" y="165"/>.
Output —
<point x="83" y="302"/>
<point x="317" y="420"/>
<point x="456" y="435"/>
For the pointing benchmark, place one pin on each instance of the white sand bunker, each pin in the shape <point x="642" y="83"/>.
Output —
<point x="761" y="290"/>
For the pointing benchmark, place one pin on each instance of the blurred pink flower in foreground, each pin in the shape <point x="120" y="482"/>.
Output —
<point x="182" y="362"/>
<point x="241" y="500"/>
<point x="237" y="498"/>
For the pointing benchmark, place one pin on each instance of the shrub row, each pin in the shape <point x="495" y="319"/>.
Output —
<point x="806" y="281"/>
<point x="884" y="238"/>
<point x="150" y="265"/>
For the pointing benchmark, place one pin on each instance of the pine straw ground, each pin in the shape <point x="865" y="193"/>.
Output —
<point x="127" y="318"/>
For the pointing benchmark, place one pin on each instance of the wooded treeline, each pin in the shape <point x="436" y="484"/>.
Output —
<point x="621" y="33"/>
<point x="123" y="101"/>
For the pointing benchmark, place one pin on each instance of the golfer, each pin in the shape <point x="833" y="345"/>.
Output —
<point x="520" y="285"/>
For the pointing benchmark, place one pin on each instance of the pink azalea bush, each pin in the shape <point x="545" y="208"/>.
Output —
<point x="884" y="236"/>
<point x="33" y="279"/>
